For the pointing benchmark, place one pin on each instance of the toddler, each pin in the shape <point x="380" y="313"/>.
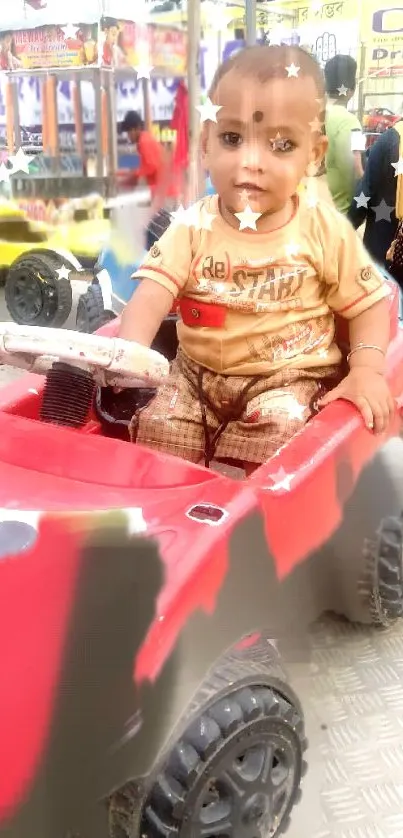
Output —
<point x="260" y="271"/>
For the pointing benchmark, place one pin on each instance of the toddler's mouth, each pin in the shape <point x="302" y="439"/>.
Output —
<point x="249" y="187"/>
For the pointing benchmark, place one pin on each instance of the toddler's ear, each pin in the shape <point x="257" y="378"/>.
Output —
<point x="311" y="169"/>
<point x="319" y="150"/>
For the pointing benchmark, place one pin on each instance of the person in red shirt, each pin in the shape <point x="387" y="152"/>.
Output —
<point x="155" y="169"/>
<point x="152" y="166"/>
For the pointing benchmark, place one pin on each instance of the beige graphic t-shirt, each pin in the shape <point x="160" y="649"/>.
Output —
<point x="252" y="303"/>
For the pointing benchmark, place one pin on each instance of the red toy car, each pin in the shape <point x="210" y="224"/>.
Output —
<point x="146" y="604"/>
<point x="379" y="119"/>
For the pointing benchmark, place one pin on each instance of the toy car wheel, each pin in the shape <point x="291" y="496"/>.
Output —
<point x="236" y="771"/>
<point x="3" y="276"/>
<point x="385" y="572"/>
<point x="34" y="294"/>
<point x="91" y="313"/>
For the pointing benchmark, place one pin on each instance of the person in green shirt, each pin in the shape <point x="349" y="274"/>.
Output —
<point x="343" y="164"/>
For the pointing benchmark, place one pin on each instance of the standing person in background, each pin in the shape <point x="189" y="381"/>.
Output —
<point x="154" y="168"/>
<point x="343" y="165"/>
<point x="375" y="199"/>
<point x="150" y="151"/>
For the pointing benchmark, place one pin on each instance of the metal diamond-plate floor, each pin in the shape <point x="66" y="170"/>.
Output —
<point x="352" y="692"/>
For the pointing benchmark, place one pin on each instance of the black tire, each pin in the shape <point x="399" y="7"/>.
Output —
<point x="3" y="276"/>
<point x="236" y="771"/>
<point x="157" y="227"/>
<point x="35" y="296"/>
<point x="385" y="572"/>
<point x="91" y="314"/>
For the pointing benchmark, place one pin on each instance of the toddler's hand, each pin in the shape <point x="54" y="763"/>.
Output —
<point x="369" y="391"/>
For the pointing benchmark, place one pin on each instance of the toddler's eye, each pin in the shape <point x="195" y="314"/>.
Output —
<point x="282" y="144"/>
<point x="230" y="138"/>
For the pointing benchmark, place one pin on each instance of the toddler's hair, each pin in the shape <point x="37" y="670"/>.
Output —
<point x="264" y="62"/>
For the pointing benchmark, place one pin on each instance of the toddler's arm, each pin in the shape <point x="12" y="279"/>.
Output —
<point x="370" y="328"/>
<point x="365" y="385"/>
<point x="145" y="311"/>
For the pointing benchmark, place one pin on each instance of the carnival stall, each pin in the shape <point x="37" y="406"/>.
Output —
<point x="72" y="181"/>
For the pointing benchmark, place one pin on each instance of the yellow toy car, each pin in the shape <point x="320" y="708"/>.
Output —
<point x="39" y="263"/>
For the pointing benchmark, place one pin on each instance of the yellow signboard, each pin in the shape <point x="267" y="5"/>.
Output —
<point x="382" y="22"/>
<point x="314" y="13"/>
<point x="382" y="33"/>
<point x="379" y="24"/>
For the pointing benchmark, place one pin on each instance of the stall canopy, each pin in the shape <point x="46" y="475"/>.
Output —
<point x="21" y="15"/>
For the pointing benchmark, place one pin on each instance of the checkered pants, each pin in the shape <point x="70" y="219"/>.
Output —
<point x="200" y="415"/>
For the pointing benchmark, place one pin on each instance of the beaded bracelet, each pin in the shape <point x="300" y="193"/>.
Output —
<point x="365" y="346"/>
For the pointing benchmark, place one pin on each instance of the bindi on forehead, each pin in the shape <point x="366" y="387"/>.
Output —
<point x="257" y="116"/>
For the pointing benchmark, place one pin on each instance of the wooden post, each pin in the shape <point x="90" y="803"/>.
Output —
<point x="147" y="104"/>
<point x="193" y="60"/>
<point x="10" y="116"/>
<point x="45" y="116"/>
<point x="53" y="123"/>
<point x="78" y="117"/>
<point x="250" y="15"/>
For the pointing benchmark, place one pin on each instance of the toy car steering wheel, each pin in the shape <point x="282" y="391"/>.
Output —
<point x="112" y="361"/>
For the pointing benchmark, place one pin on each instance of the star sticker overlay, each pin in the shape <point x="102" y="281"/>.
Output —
<point x="277" y="142"/>
<point x="186" y="217"/>
<point x="292" y="71"/>
<point x="247" y="218"/>
<point x="208" y="111"/>
<point x="281" y="480"/>
<point x="135" y="520"/>
<point x="203" y="284"/>
<point x="192" y="216"/>
<point x="292" y="249"/>
<point x="383" y="211"/>
<point x="143" y="71"/>
<point x="362" y="201"/>
<point x="20" y="161"/>
<point x="343" y="90"/>
<point x="296" y="410"/>
<point x="398" y="167"/>
<point x="63" y="272"/>
<point x="69" y="31"/>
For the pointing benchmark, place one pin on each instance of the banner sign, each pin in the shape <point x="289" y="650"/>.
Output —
<point x="115" y="43"/>
<point x="128" y="44"/>
<point x="123" y="44"/>
<point x="49" y="47"/>
<point x="168" y="50"/>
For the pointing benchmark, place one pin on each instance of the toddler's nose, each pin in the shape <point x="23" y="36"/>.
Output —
<point x="252" y="158"/>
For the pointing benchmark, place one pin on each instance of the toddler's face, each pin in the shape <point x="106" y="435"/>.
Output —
<point x="263" y="142"/>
